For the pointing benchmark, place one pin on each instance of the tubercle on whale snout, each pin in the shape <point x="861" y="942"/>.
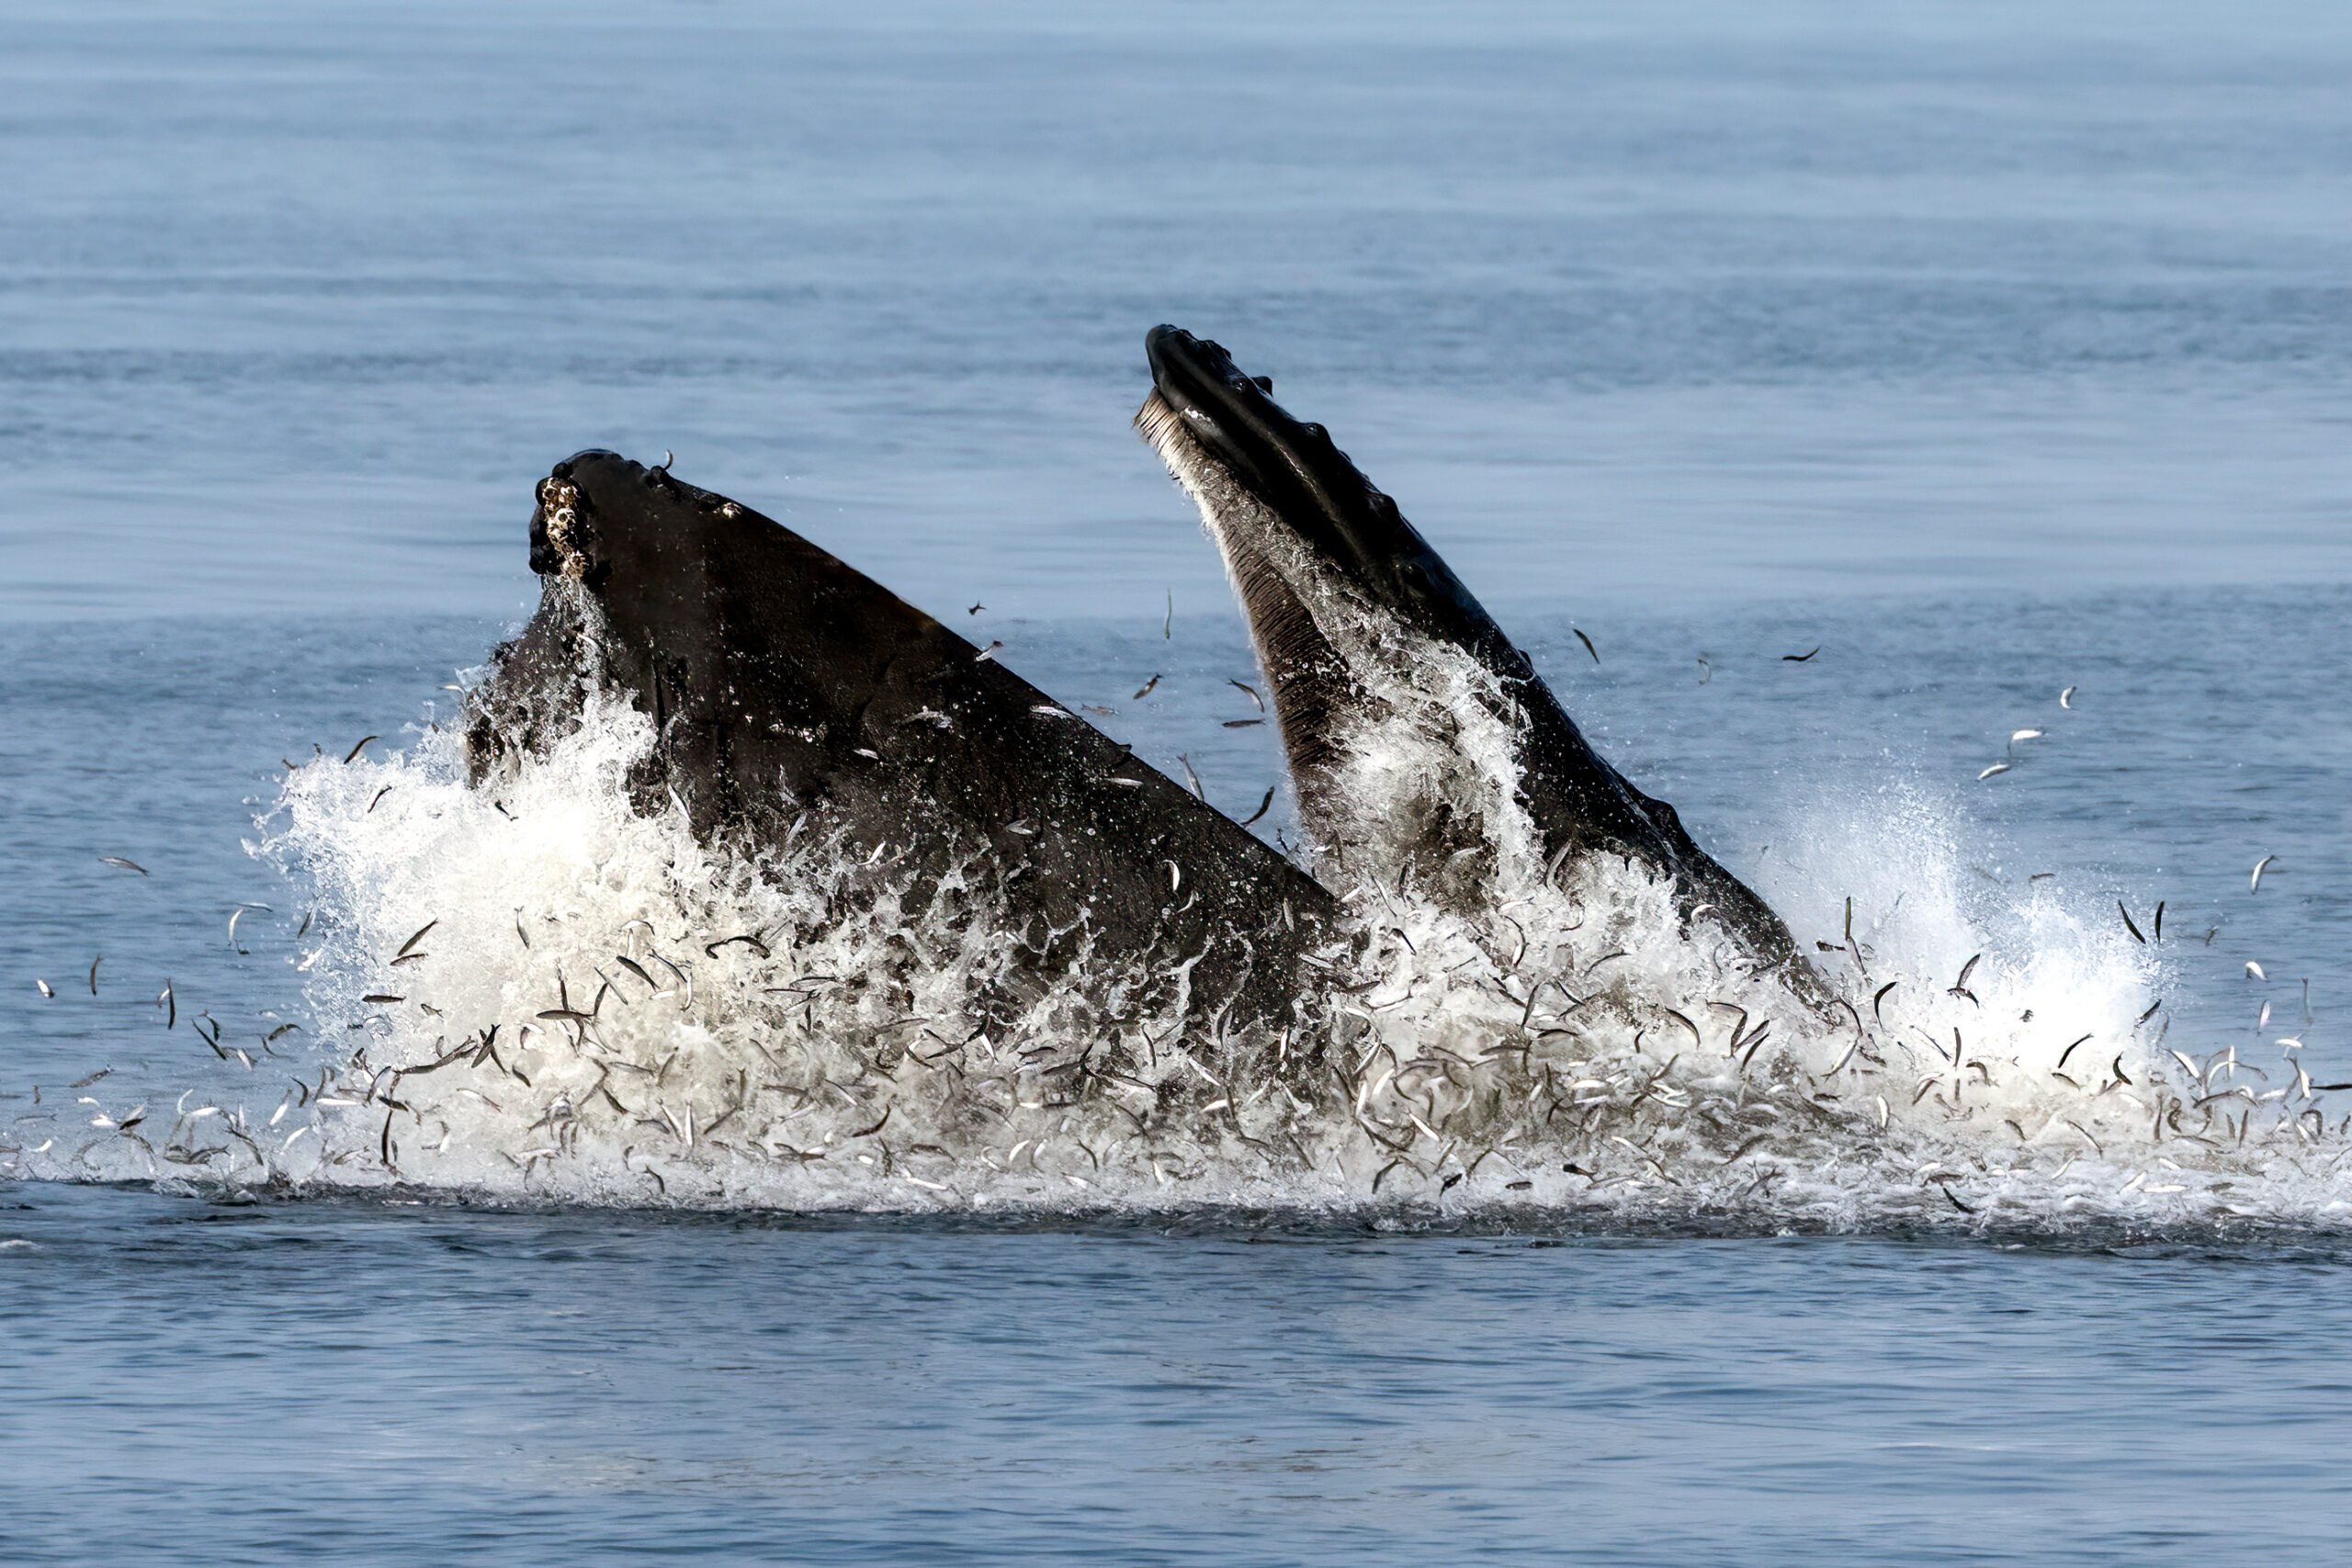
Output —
<point x="563" y="534"/>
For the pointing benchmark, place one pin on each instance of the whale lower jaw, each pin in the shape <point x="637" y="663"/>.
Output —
<point x="1398" y="759"/>
<point x="1307" y="678"/>
<point x="1424" y="747"/>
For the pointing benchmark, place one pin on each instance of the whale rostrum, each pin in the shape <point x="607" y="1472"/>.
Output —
<point x="1425" y="749"/>
<point x="795" y="698"/>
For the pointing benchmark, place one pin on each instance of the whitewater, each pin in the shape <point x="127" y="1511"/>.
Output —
<point x="531" y="992"/>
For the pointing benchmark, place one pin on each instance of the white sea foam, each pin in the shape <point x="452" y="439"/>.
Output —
<point x="595" y="1005"/>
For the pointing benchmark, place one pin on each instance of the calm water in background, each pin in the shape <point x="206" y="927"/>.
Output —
<point x="1992" y="354"/>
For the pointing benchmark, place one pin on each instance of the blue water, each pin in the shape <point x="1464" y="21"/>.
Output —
<point x="1992" y="351"/>
<point x="372" y="1384"/>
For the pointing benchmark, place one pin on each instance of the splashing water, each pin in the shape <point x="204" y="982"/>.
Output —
<point x="558" y="999"/>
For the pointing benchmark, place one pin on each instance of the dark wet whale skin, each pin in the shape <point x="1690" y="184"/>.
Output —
<point x="786" y="685"/>
<point x="1580" y="803"/>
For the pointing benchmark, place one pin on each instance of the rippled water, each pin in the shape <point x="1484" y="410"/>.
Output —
<point x="390" y="1383"/>
<point x="1992" y="354"/>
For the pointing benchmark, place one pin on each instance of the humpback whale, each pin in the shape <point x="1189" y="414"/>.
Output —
<point x="827" y="902"/>
<point x="793" y="699"/>
<point x="1425" y="749"/>
<point x="793" y="696"/>
<point x="813" y="902"/>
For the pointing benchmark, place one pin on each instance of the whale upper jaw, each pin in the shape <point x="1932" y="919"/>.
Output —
<point x="794" y="700"/>
<point x="1423" y="745"/>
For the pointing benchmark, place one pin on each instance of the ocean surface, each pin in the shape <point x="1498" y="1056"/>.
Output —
<point x="1854" y="381"/>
